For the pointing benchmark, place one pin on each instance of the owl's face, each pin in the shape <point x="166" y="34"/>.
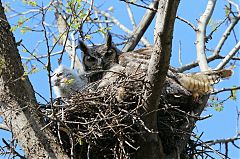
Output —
<point x="61" y="76"/>
<point x="65" y="81"/>
<point x="99" y="58"/>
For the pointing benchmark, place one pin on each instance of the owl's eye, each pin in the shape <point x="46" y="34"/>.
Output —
<point x="108" y="53"/>
<point x="90" y="59"/>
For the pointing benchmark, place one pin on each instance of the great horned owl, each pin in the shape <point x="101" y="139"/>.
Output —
<point x="99" y="58"/>
<point x="65" y="81"/>
<point x="107" y="57"/>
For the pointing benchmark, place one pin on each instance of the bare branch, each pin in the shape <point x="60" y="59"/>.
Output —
<point x="235" y="5"/>
<point x="40" y="56"/>
<point x="187" y="22"/>
<point x="229" y="56"/>
<point x="225" y="35"/>
<point x="222" y="141"/>
<point x="201" y="35"/>
<point x="130" y="14"/>
<point x="195" y="64"/>
<point x="62" y="28"/>
<point x="142" y="27"/>
<point x="120" y="25"/>
<point x="139" y="5"/>
<point x="225" y="89"/>
<point x="180" y="53"/>
<point x="73" y="49"/>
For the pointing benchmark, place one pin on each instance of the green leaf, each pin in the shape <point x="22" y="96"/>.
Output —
<point x="234" y="94"/>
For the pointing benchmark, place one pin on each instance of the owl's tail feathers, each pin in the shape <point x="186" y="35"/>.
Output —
<point x="224" y="73"/>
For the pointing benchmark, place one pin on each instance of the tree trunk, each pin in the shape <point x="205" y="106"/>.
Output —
<point x="152" y="147"/>
<point x="18" y="104"/>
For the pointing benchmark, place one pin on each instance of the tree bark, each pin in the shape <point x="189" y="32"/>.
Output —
<point x="18" y="104"/>
<point x="156" y="75"/>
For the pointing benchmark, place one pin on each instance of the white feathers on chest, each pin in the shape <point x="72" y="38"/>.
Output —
<point x="65" y="81"/>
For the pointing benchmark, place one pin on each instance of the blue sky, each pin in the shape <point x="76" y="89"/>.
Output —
<point x="221" y="125"/>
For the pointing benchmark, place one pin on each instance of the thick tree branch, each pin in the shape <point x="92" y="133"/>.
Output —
<point x="195" y="63"/>
<point x="201" y="35"/>
<point x="142" y="27"/>
<point x="18" y="103"/>
<point x="156" y="74"/>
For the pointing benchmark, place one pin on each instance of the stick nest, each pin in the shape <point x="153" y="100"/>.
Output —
<point x="107" y="122"/>
<point x="103" y="122"/>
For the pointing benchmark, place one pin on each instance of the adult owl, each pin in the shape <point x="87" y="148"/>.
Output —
<point x="65" y="81"/>
<point x="111" y="60"/>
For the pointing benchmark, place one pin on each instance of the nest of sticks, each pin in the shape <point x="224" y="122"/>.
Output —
<point x="103" y="122"/>
<point x="107" y="122"/>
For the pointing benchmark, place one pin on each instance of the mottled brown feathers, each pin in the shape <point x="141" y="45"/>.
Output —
<point x="202" y="83"/>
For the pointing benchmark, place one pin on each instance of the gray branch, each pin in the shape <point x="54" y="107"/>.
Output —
<point x="158" y="66"/>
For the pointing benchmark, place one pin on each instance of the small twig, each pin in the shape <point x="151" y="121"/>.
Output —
<point x="235" y="5"/>
<point x="225" y="89"/>
<point x="12" y="149"/>
<point x="139" y="5"/>
<point x="215" y="29"/>
<point x="48" y="59"/>
<point x="73" y="49"/>
<point x="180" y="53"/>
<point x="35" y="57"/>
<point x="222" y="141"/>
<point x="208" y="146"/>
<point x="187" y="22"/>
<point x="41" y="56"/>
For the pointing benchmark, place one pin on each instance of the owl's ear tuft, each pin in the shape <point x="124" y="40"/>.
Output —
<point x="83" y="47"/>
<point x="109" y="40"/>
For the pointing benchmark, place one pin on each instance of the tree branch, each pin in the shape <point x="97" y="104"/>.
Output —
<point x="228" y="57"/>
<point x="201" y="35"/>
<point x="131" y="17"/>
<point x="142" y="27"/>
<point x="225" y="35"/>
<point x="62" y="29"/>
<point x="225" y="89"/>
<point x="18" y="103"/>
<point x="156" y="74"/>
<point x="120" y="25"/>
<point x="187" y="22"/>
